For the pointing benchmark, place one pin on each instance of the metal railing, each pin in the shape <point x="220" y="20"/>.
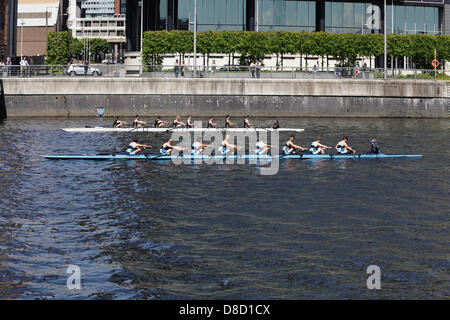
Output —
<point x="263" y="72"/>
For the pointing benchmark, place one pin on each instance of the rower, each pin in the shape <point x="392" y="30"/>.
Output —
<point x="261" y="147"/>
<point x="168" y="147"/>
<point x="211" y="123"/>
<point x="160" y="123"/>
<point x="118" y="123"/>
<point x="177" y="123"/>
<point x="374" y="147"/>
<point x="189" y="123"/>
<point x="138" y="123"/>
<point x="290" y="147"/>
<point x="317" y="147"/>
<point x="276" y="125"/>
<point x="226" y="146"/>
<point x="135" y="147"/>
<point x="247" y="122"/>
<point x="198" y="148"/>
<point x="228" y="123"/>
<point x="343" y="148"/>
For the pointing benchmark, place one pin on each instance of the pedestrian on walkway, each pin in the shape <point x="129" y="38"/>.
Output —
<point x="8" y="66"/>
<point x="253" y="69"/>
<point x="177" y="68"/>
<point x="258" y="69"/>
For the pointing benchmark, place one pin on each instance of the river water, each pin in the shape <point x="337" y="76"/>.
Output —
<point x="148" y="230"/>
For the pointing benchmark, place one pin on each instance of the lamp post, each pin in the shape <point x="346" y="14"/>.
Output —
<point x="385" y="41"/>
<point x="195" y="38"/>
<point x="21" y="38"/>
<point x="257" y="15"/>
<point x="141" y="3"/>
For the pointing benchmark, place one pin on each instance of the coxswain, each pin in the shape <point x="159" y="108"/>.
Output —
<point x="118" y="123"/>
<point x="276" y="125"/>
<point x="317" y="147"/>
<point x="159" y="123"/>
<point x="261" y="147"/>
<point x="168" y="147"/>
<point x="226" y="146"/>
<point x="138" y="123"/>
<point x="343" y="148"/>
<point x="290" y="147"/>
<point x="135" y="147"/>
<point x="374" y="147"/>
<point x="189" y="123"/>
<point x="228" y="123"/>
<point x="247" y="122"/>
<point x="211" y="123"/>
<point x="198" y="148"/>
<point x="177" y="123"/>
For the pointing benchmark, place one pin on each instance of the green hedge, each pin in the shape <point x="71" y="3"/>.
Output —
<point x="255" y="45"/>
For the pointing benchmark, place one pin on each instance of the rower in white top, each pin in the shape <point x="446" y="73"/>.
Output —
<point x="317" y="147"/>
<point x="226" y="146"/>
<point x="198" y="148"/>
<point x="168" y="147"/>
<point x="343" y="148"/>
<point x="135" y="147"/>
<point x="262" y="148"/>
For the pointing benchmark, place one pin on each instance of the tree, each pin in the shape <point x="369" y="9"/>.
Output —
<point x="58" y="45"/>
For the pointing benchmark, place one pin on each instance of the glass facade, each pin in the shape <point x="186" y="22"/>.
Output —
<point x="413" y="19"/>
<point x="352" y="17"/>
<point x="288" y="15"/>
<point x="212" y="14"/>
<point x="339" y="16"/>
<point x="348" y="17"/>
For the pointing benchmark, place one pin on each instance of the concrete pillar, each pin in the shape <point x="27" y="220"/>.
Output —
<point x="320" y="15"/>
<point x="446" y="19"/>
<point x="12" y="28"/>
<point x="251" y="15"/>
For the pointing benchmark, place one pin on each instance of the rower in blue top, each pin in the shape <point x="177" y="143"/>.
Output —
<point x="290" y="147"/>
<point x="343" y="148"/>
<point x="136" y="148"/>
<point x="374" y="149"/>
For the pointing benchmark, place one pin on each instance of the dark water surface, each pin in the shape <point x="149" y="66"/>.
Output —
<point x="142" y="230"/>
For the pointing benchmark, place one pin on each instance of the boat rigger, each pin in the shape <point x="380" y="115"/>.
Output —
<point x="155" y="157"/>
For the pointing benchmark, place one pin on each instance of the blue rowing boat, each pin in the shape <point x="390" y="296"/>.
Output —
<point x="157" y="157"/>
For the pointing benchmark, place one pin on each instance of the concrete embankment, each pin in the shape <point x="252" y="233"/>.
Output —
<point x="202" y="97"/>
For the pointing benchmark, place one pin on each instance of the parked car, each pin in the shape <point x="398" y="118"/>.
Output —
<point x="78" y="70"/>
<point x="232" y="68"/>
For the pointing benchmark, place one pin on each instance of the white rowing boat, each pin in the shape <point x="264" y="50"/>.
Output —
<point x="148" y="129"/>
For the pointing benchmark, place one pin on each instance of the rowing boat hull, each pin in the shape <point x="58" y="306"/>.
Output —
<point x="155" y="130"/>
<point x="232" y="157"/>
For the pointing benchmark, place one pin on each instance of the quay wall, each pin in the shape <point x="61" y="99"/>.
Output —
<point x="203" y="97"/>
